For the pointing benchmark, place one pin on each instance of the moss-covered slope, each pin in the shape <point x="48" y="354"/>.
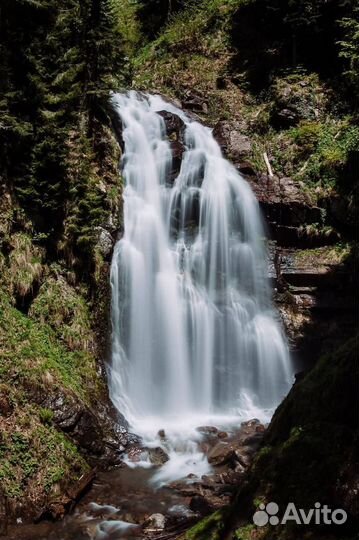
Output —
<point x="309" y="455"/>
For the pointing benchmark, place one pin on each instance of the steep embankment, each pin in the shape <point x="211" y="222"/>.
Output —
<point x="274" y="82"/>
<point x="59" y="217"/>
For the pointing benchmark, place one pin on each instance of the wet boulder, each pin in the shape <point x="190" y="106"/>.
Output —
<point x="177" y="149"/>
<point x="157" y="456"/>
<point x="221" y="454"/>
<point x="175" y="129"/>
<point x="207" y="430"/>
<point x="175" y="126"/>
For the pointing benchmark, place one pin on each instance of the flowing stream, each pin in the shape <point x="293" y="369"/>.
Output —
<point x="195" y="339"/>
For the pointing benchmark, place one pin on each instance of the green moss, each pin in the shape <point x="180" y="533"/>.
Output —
<point x="312" y="430"/>
<point x="46" y="416"/>
<point x="327" y="255"/>
<point x="29" y="351"/>
<point x="210" y="528"/>
<point x="247" y="532"/>
<point x="36" y="457"/>
<point x="65" y="310"/>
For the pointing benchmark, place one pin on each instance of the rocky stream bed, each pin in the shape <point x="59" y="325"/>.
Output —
<point x="123" y="503"/>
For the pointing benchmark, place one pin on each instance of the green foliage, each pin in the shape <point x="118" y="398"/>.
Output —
<point x="245" y="533"/>
<point x="327" y="148"/>
<point x="30" y="352"/>
<point x="126" y="23"/>
<point x="60" y="306"/>
<point x="24" y="268"/>
<point x="209" y="528"/>
<point x="59" y="62"/>
<point x="349" y="47"/>
<point x="37" y="456"/>
<point x="46" y="416"/>
<point x="184" y="30"/>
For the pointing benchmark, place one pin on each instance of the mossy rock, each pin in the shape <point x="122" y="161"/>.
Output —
<point x="210" y="528"/>
<point x="310" y="447"/>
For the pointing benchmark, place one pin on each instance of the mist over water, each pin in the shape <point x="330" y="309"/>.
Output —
<point x="194" y="334"/>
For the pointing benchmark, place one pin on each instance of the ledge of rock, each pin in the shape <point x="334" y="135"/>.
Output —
<point x="284" y="201"/>
<point x="99" y="434"/>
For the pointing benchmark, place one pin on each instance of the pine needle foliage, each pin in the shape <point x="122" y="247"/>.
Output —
<point x="59" y="61"/>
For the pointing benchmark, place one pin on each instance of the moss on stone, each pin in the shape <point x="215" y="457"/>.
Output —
<point x="35" y="458"/>
<point x="210" y="528"/>
<point x="309" y="442"/>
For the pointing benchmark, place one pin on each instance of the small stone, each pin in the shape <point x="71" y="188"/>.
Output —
<point x="222" y="435"/>
<point x="157" y="456"/>
<point x="162" y="434"/>
<point x="242" y="458"/>
<point x="134" y="454"/>
<point x="250" y="423"/>
<point x="156" y="522"/>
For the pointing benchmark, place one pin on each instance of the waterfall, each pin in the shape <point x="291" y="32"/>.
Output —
<point x="194" y="331"/>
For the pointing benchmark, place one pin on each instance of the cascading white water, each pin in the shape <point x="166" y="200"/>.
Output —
<point x="194" y="332"/>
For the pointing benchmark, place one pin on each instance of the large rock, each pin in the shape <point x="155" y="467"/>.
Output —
<point x="234" y="144"/>
<point x="221" y="454"/>
<point x="195" y="102"/>
<point x="175" y="129"/>
<point x="295" y="100"/>
<point x="97" y="434"/>
<point x="174" y="125"/>
<point x="284" y="201"/>
<point x="105" y="242"/>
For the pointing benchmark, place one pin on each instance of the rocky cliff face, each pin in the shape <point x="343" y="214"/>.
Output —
<point x="56" y="421"/>
<point x="311" y="256"/>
